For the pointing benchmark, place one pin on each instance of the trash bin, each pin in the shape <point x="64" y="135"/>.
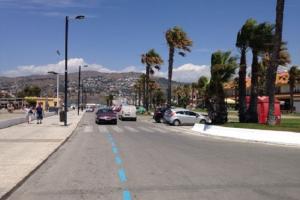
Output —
<point x="62" y="116"/>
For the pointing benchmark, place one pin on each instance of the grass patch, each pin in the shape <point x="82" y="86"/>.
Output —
<point x="292" y="124"/>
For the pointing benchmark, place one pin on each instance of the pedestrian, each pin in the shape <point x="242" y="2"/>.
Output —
<point x="39" y="113"/>
<point x="28" y="113"/>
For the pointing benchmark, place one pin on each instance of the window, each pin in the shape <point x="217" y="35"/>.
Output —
<point x="191" y="113"/>
<point x="180" y="112"/>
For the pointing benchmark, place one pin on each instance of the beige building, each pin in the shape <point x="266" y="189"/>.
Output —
<point x="46" y="102"/>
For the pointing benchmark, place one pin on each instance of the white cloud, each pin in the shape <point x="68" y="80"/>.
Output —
<point x="59" y="67"/>
<point x="187" y="72"/>
<point x="184" y="73"/>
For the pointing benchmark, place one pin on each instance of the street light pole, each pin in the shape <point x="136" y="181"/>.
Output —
<point x="79" y="17"/>
<point x="57" y="90"/>
<point x="66" y="68"/>
<point x="78" y="100"/>
<point x="79" y="82"/>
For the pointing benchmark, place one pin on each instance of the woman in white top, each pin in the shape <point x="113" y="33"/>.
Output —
<point x="29" y="113"/>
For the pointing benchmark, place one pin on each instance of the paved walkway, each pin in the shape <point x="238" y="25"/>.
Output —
<point x="24" y="147"/>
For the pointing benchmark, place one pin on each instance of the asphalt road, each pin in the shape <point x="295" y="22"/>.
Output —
<point x="149" y="161"/>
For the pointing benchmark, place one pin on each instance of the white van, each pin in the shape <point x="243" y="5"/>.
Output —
<point x="127" y="112"/>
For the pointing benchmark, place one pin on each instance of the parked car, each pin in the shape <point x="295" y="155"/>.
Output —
<point x="127" y="112"/>
<point x="140" y="109"/>
<point x="90" y="109"/>
<point x="159" y="114"/>
<point x="180" y="116"/>
<point x="106" y="115"/>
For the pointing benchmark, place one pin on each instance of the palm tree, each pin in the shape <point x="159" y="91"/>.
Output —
<point x="158" y="97"/>
<point x="152" y="87"/>
<point x="178" y="92"/>
<point x="284" y="60"/>
<point x="261" y="37"/>
<point x="142" y="83"/>
<point x="152" y="60"/>
<point x="294" y="76"/>
<point x="242" y="42"/>
<point x="109" y="100"/>
<point x="223" y="67"/>
<point x="202" y="83"/>
<point x="177" y="39"/>
<point x="272" y="69"/>
<point x="194" y="86"/>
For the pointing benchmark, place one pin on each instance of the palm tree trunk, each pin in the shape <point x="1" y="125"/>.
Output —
<point x="291" y="98"/>
<point x="144" y="93"/>
<point x="147" y="88"/>
<point x="242" y="87"/>
<point x="170" y="70"/>
<point x="272" y="70"/>
<point x="139" y="95"/>
<point x="193" y="90"/>
<point x="252" y="110"/>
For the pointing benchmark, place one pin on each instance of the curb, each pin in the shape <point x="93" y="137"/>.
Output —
<point x="23" y="180"/>
<point x="285" y="138"/>
<point x="19" y="120"/>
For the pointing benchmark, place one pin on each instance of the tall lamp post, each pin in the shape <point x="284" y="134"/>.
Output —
<point x="79" y="17"/>
<point x="78" y="100"/>
<point x="57" y="86"/>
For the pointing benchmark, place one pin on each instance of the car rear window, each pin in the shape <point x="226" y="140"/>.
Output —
<point x="105" y="111"/>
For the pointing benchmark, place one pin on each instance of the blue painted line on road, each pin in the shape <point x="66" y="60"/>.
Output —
<point x="126" y="195"/>
<point x="113" y="144"/>
<point x="121" y="172"/>
<point x="118" y="160"/>
<point x="115" y="150"/>
<point x="122" y="175"/>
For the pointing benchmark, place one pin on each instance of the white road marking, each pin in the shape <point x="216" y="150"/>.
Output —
<point x="144" y="129"/>
<point x="159" y="129"/>
<point x="103" y="129"/>
<point x="128" y="128"/>
<point x="117" y="129"/>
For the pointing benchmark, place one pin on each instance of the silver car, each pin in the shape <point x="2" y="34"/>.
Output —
<point x="180" y="116"/>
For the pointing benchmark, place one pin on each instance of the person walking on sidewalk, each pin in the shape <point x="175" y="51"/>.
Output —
<point x="39" y="113"/>
<point x="28" y="113"/>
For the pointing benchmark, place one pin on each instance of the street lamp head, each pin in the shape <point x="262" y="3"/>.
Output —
<point x="52" y="72"/>
<point x="79" y="17"/>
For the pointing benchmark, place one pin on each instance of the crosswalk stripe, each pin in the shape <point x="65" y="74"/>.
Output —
<point x="161" y="130"/>
<point x="130" y="129"/>
<point x="144" y="129"/>
<point x="103" y="129"/>
<point x="117" y="129"/>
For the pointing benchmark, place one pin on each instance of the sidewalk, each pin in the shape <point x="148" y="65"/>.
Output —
<point x="24" y="147"/>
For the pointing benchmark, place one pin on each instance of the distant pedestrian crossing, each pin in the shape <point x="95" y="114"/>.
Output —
<point x="154" y="128"/>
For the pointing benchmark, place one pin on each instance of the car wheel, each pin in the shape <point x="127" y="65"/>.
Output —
<point x="134" y="119"/>
<point x="176" y="122"/>
<point x="202" y="121"/>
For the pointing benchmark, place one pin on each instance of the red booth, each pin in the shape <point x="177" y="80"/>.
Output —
<point x="263" y="108"/>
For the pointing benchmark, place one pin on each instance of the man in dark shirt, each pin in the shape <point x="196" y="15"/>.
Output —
<point x="39" y="113"/>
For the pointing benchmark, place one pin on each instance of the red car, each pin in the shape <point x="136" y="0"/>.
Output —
<point x="106" y="115"/>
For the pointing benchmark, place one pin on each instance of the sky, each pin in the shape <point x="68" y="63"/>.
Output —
<point x="115" y="33"/>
